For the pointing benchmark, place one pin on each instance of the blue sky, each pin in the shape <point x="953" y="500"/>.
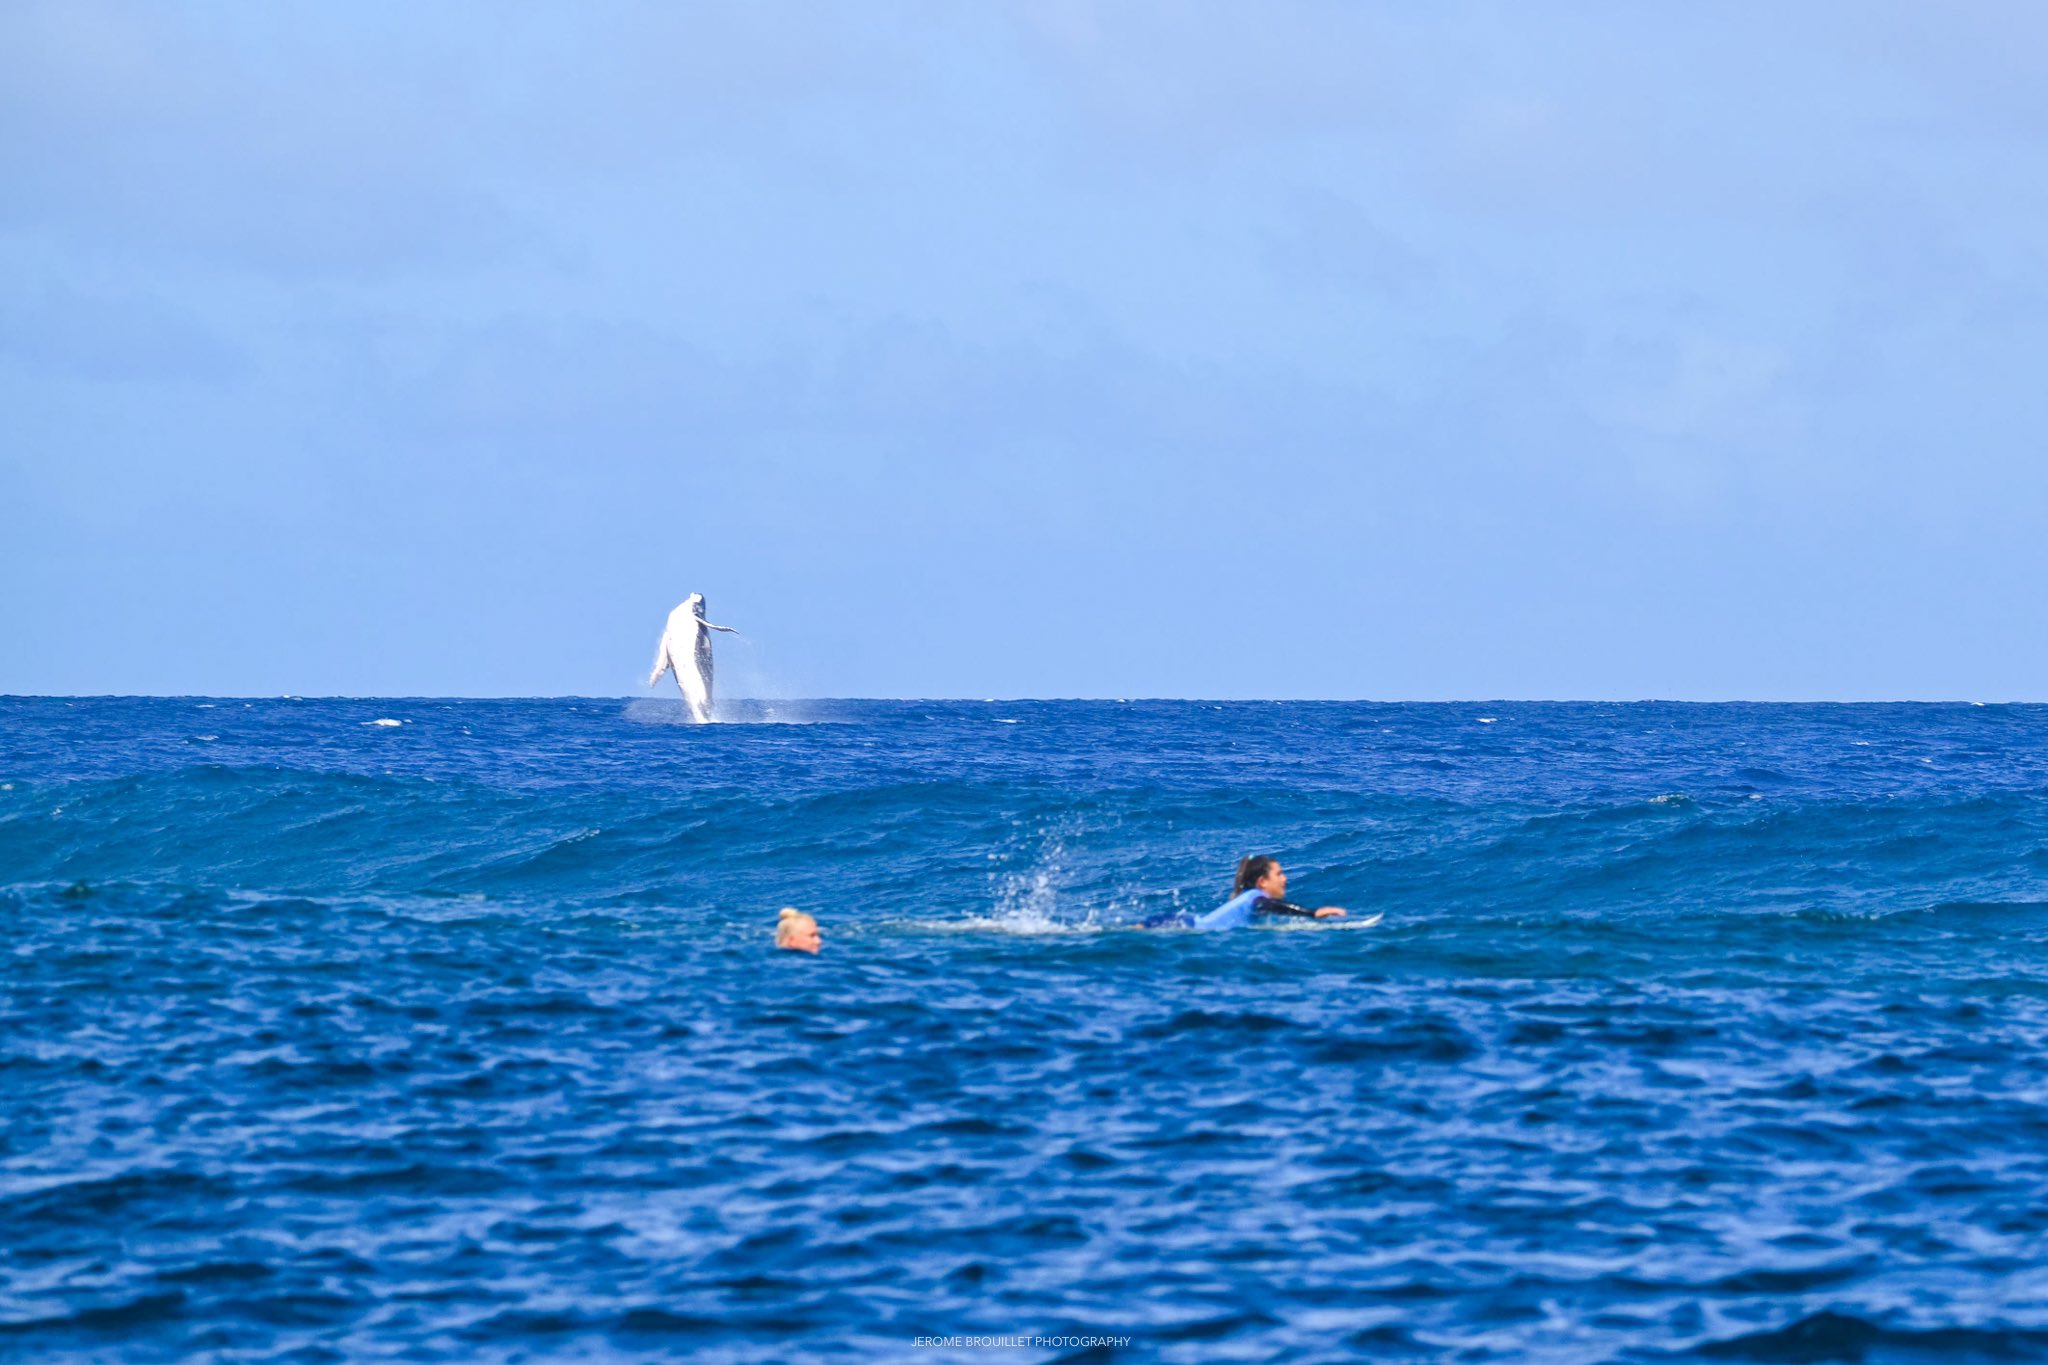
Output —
<point x="1598" y="351"/>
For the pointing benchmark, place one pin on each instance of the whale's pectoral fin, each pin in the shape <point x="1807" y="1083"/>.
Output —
<point x="727" y="629"/>
<point x="662" y="663"/>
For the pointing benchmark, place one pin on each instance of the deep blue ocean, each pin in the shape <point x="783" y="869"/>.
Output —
<point x="1711" y="1032"/>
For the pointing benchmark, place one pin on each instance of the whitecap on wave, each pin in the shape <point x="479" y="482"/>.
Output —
<point x="742" y="711"/>
<point x="1023" y="925"/>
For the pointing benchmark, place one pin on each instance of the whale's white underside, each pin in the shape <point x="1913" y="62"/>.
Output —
<point x="685" y="650"/>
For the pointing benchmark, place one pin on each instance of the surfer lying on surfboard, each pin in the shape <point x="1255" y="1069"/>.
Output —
<point x="1261" y="890"/>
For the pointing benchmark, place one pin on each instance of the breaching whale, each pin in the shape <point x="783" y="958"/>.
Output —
<point x="686" y="647"/>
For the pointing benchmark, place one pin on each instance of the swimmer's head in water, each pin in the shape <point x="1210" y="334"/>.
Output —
<point x="1264" y="873"/>
<point x="794" y="929"/>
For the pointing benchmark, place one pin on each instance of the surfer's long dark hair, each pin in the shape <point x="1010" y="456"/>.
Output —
<point x="1250" y="871"/>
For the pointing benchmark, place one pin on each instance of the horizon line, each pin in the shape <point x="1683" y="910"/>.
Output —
<point x="1009" y="700"/>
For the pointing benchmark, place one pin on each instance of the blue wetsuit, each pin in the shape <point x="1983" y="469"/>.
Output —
<point x="1235" y="913"/>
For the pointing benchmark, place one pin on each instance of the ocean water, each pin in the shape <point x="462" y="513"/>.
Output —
<point x="1710" y="1032"/>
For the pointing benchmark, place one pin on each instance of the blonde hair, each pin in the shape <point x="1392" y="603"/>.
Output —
<point x="788" y="922"/>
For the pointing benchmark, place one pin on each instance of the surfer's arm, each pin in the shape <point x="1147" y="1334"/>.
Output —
<point x="1268" y="906"/>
